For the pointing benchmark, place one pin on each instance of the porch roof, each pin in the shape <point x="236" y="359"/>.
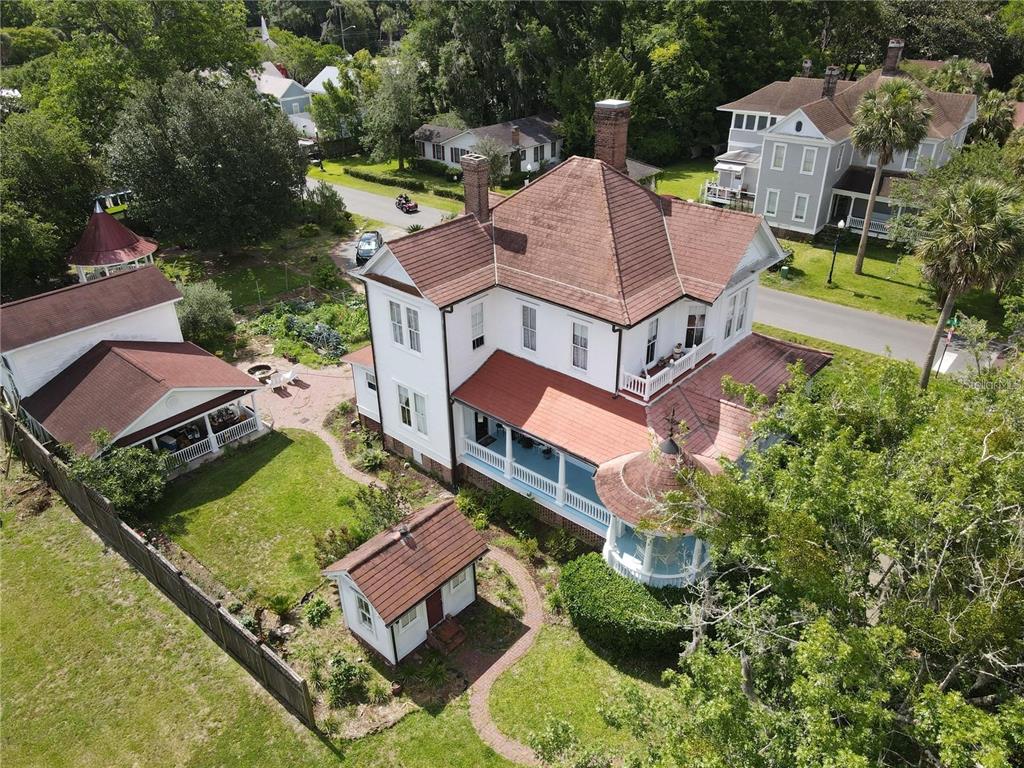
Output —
<point x="858" y="181"/>
<point x="567" y="413"/>
<point x="116" y="382"/>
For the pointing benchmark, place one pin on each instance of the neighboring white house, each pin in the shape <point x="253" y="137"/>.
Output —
<point x="537" y="340"/>
<point x="790" y="157"/>
<point x="533" y="138"/>
<point x="108" y="354"/>
<point x="397" y="588"/>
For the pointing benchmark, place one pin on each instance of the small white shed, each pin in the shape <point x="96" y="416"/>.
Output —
<point x="405" y="581"/>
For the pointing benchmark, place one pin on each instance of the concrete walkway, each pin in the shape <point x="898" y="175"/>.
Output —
<point x="305" y="403"/>
<point x="480" y="692"/>
<point x="382" y="208"/>
<point x="855" y="328"/>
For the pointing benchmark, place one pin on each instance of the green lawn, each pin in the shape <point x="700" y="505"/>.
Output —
<point x="892" y="283"/>
<point x="841" y="353"/>
<point x="685" y="177"/>
<point x="333" y="172"/>
<point x="562" y="677"/>
<point x="250" y="517"/>
<point x="101" y="670"/>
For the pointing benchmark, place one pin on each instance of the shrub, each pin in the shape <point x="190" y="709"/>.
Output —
<point x="529" y="548"/>
<point x="205" y="314"/>
<point x="509" y="509"/>
<point x="378" y="693"/>
<point x="253" y="624"/>
<point x="616" y="613"/>
<point x="132" y="479"/>
<point x="392" y="181"/>
<point x="470" y="503"/>
<point x="346" y="682"/>
<point x="413" y="228"/>
<point x="451" y="194"/>
<point x="308" y="230"/>
<point x="333" y="545"/>
<point x="342" y="226"/>
<point x="382" y="507"/>
<point x="345" y="407"/>
<point x="280" y="605"/>
<point x="321" y="204"/>
<point x="370" y="458"/>
<point x="554" y="603"/>
<point x="327" y="275"/>
<point x="317" y="611"/>
<point x="562" y="545"/>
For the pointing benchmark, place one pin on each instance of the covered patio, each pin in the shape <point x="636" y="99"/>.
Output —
<point x="850" y="202"/>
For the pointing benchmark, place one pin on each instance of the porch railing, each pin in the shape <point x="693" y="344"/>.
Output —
<point x="734" y="198"/>
<point x="878" y="227"/>
<point x="535" y="480"/>
<point x="619" y="565"/>
<point x="194" y="451"/>
<point x="486" y="455"/>
<point x="587" y="507"/>
<point x="241" y="429"/>
<point x="646" y="386"/>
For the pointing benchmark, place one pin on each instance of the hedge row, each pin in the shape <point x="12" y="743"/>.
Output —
<point x="618" y="614"/>
<point x="412" y="184"/>
<point x="436" y="168"/>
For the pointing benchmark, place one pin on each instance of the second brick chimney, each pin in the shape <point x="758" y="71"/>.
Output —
<point x="893" y="54"/>
<point x="806" y="71"/>
<point x="476" y="171"/>
<point x="611" y="130"/>
<point x="828" y="86"/>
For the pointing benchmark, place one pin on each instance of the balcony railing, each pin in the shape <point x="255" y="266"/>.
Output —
<point x="486" y="455"/>
<point x="728" y="196"/>
<point x="645" y="387"/>
<point x="582" y="504"/>
<point x="534" y="480"/>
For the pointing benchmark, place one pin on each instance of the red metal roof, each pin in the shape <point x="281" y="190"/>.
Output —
<point x="51" y="314"/>
<point x="396" y="571"/>
<point x="107" y="241"/>
<point x="583" y="235"/>
<point x="116" y="382"/>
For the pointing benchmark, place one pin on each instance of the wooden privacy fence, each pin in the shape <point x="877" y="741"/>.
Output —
<point x="95" y="511"/>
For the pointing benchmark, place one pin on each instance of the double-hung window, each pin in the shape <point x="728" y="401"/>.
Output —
<point x="456" y="153"/>
<point x="652" y="341"/>
<point x="695" y="329"/>
<point x="408" y="617"/>
<point x="741" y="314"/>
<point x="762" y="122"/>
<point x="421" y="148"/>
<point x="365" y="616"/>
<point x="538" y="153"/>
<point x="810" y="156"/>
<point x="839" y="156"/>
<point x="529" y="328"/>
<point x="371" y="382"/>
<point x="554" y="149"/>
<point x="419" y="404"/>
<point x="413" y="317"/>
<point x="476" y="322"/>
<point x="778" y="156"/>
<point x="397" y="329"/>
<point x="730" y="316"/>
<point x="439" y="151"/>
<point x="771" y="202"/>
<point x="458" y="579"/>
<point x="579" y="346"/>
<point x="750" y="122"/>
<point x="800" y="207"/>
<point x="737" y="120"/>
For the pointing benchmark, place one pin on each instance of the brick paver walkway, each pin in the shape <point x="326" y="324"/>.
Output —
<point x="480" y="692"/>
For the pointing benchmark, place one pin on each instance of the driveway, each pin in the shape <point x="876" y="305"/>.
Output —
<point x="382" y="208"/>
<point x="855" y="328"/>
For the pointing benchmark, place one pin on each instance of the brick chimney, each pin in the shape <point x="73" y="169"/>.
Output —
<point x="515" y="135"/>
<point x="893" y="54"/>
<point x="611" y="130"/>
<point x="828" y="87"/>
<point x="476" y="173"/>
<point x="807" y="67"/>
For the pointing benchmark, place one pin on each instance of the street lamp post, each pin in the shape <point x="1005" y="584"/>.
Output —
<point x="529" y="171"/>
<point x="343" y="31"/>
<point x="835" y="248"/>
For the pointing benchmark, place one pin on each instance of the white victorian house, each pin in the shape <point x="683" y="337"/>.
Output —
<point x="548" y="341"/>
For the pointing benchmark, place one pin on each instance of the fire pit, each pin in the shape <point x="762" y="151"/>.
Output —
<point x="262" y="372"/>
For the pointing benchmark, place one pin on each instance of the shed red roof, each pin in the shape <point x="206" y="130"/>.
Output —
<point x="51" y="314"/>
<point x="583" y="235"/>
<point x="396" y="571"/>
<point x="362" y="356"/>
<point x="116" y="382"/>
<point x="107" y="241"/>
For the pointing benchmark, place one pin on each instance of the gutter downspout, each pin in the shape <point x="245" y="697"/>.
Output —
<point x="618" y="359"/>
<point x="447" y="388"/>
<point x="394" y="645"/>
<point x="376" y="376"/>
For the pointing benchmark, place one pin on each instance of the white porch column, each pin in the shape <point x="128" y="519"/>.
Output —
<point x="255" y="410"/>
<point x="81" y="273"/>
<point x="648" y="556"/>
<point x="698" y="553"/>
<point x="613" y="532"/>
<point x="508" y="451"/>
<point x="152" y="441"/>
<point x="560" y="493"/>
<point x="209" y="431"/>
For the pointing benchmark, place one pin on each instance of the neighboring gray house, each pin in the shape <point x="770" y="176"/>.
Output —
<point x="290" y="95"/>
<point x="790" y="157"/>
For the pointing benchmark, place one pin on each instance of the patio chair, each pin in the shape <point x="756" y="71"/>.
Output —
<point x="289" y="377"/>
<point x="276" y="380"/>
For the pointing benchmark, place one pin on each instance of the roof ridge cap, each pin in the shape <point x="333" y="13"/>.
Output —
<point x="117" y="350"/>
<point x="76" y="285"/>
<point x="615" y="245"/>
<point x="671" y="248"/>
<point x="387" y="535"/>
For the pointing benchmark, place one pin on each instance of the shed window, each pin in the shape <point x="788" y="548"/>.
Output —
<point x="458" y="579"/>
<point x="408" y="617"/>
<point x="476" y="321"/>
<point x="365" y="616"/>
<point x="371" y="381"/>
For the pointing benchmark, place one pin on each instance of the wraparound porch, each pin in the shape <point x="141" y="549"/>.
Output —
<point x="653" y="558"/>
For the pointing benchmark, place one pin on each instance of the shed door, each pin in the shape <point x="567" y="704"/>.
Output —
<point x="435" y="609"/>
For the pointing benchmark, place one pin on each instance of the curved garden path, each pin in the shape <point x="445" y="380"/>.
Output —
<point x="305" y="404"/>
<point x="480" y="692"/>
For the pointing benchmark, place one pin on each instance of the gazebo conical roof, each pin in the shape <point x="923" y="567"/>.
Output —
<point x="107" y="241"/>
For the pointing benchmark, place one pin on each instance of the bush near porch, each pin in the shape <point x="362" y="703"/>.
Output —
<point x="250" y="516"/>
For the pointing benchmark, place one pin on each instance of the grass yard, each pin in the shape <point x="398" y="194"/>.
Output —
<point x="333" y="172"/>
<point x="685" y="177"/>
<point x="101" y="670"/>
<point x="562" y="677"/>
<point x="250" y="517"/>
<point x="855" y="357"/>
<point x="892" y="283"/>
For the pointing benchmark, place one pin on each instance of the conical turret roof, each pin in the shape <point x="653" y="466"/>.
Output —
<point x="107" y="241"/>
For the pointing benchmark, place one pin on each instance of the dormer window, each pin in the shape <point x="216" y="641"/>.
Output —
<point x="762" y="122"/>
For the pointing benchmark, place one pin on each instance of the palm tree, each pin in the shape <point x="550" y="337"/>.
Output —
<point x="957" y="76"/>
<point x="973" y="235"/>
<point x="889" y="118"/>
<point x="996" y="111"/>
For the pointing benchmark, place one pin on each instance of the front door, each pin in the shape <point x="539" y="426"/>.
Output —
<point x="481" y="426"/>
<point x="435" y="608"/>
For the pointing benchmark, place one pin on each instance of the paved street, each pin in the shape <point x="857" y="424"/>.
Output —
<point x="382" y="208"/>
<point x="855" y="328"/>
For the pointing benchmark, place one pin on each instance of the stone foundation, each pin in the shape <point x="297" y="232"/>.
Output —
<point x="540" y="512"/>
<point x="429" y="466"/>
<point x="369" y="424"/>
